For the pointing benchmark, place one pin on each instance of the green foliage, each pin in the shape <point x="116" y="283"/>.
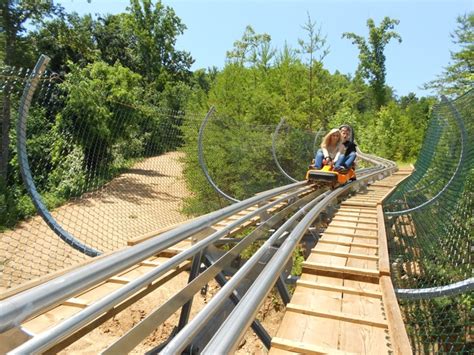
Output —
<point x="458" y="76"/>
<point x="97" y="99"/>
<point x="298" y="259"/>
<point x="371" y="54"/>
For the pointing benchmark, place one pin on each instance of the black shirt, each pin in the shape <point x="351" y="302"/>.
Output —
<point x="350" y="147"/>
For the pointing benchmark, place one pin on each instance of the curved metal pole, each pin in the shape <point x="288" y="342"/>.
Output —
<point x="463" y="137"/>
<point x="202" y="163"/>
<point x="318" y="133"/>
<point x="433" y="292"/>
<point x="42" y="210"/>
<point x="275" y="134"/>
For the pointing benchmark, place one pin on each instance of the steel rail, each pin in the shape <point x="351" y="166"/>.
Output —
<point x="43" y="341"/>
<point x="434" y="292"/>
<point x="202" y="161"/>
<point x="274" y="136"/>
<point x="29" y="303"/>
<point x="316" y="136"/>
<point x="25" y="103"/>
<point x="185" y="336"/>
<point x="232" y="330"/>
<point x="141" y="330"/>
<point x="463" y="137"/>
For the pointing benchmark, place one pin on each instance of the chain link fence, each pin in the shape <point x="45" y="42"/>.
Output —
<point x="431" y="233"/>
<point x="108" y="169"/>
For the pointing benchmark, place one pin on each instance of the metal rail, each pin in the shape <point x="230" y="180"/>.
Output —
<point x="185" y="336"/>
<point x="202" y="161"/>
<point x="49" y="338"/>
<point x="434" y="292"/>
<point x="134" y="336"/>
<point x="274" y="136"/>
<point x="226" y="339"/>
<point x="32" y="302"/>
<point x="42" y="210"/>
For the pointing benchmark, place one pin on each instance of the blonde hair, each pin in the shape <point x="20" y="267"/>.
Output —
<point x="327" y="138"/>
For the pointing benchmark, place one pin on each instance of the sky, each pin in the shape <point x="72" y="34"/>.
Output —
<point x="214" y="25"/>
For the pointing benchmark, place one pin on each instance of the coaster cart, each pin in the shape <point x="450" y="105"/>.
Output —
<point x="328" y="176"/>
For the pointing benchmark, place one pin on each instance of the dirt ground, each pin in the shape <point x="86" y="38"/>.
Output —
<point x="270" y="316"/>
<point x="146" y="198"/>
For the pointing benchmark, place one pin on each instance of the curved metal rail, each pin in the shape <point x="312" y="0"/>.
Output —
<point x="42" y="210"/>
<point x="274" y="136"/>
<point x="434" y="292"/>
<point x="462" y="155"/>
<point x="202" y="161"/>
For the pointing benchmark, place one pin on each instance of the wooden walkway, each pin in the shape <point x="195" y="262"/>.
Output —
<point x="344" y="301"/>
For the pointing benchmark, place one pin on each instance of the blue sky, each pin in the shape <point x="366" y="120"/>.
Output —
<point x="214" y="25"/>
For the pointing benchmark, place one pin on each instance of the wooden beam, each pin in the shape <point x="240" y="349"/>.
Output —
<point x="396" y="327"/>
<point x="349" y="244"/>
<point x="76" y="302"/>
<point x="118" y="308"/>
<point x="384" y="262"/>
<point x="344" y="213"/>
<point x="119" y="280"/>
<point x="335" y="288"/>
<point x="337" y="219"/>
<point x="149" y="263"/>
<point x="342" y="316"/>
<point x="336" y="225"/>
<point x="345" y="255"/>
<point x="374" y="237"/>
<point x="361" y="204"/>
<point x="304" y="348"/>
<point x="341" y="269"/>
<point x="359" y="210"/>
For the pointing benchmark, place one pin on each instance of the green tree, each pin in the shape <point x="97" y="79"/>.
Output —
<point x="371" y="54"/>
<point x="98" y="97"/>
<point x="316" y="43"/>
<point x="458" y="77"/>
<point x="15" y="52"/>
<point x="252" y="49"/>
<point x="67" y="39"/>
<point x="153" y="32"/>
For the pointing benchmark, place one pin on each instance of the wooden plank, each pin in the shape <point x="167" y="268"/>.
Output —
<point x="396" y="327"/>
<point x="337" y="225"/>
<point x="374" y="237"/>
<point x="76" y="302"/>
<point x="366" y="211"/>
<point x="119" y="280"/>
<point x="345" y="317"/>
<point x="357" y="220"/>
<point x="343" y="289"/>
<point x="349" y="244"/>
<point x="341" y="269"/>
<point x="392" y="189"/>
<point x="384" y="262"/>
<point x="149" y="263"/>
<point x="361" y="204"/>
<point x="345" y="255"/>
<point x="354" y="215"/>
<point x="120" y="307"/>
<point x="304" y="348"/>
